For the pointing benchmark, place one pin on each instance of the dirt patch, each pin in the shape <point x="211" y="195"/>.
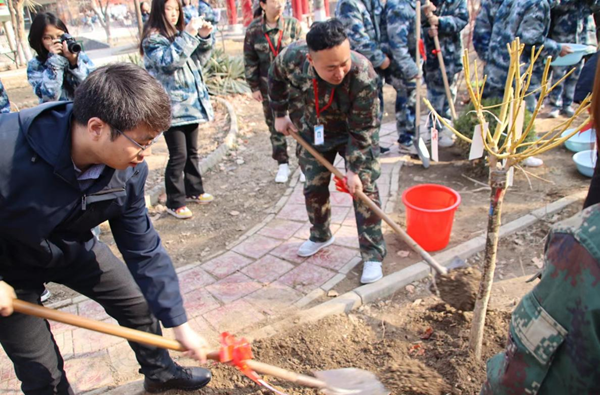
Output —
<point x="459" y="287"/>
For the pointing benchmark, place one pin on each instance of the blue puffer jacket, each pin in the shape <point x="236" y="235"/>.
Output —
<point x="46" y="219"/>
<point x="178" y="67"/>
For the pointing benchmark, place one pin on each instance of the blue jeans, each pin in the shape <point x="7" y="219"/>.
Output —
<point x="102" y="277"/>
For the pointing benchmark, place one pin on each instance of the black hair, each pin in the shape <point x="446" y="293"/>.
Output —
<point x="157" y="21"/>
<point x="326" y="35"/>
<point x="259" y="11"/>
<point x="124" y="96"/>
<point x="36" y="32"/>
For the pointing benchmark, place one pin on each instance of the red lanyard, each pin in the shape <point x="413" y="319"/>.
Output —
<point x="275" y="51"/>
<point x="319" y="111"/>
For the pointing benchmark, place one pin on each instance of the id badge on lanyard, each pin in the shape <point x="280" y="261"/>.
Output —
<point x="319" y="129"/>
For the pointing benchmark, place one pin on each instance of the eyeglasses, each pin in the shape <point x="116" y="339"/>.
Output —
<point x="141" y="147"/>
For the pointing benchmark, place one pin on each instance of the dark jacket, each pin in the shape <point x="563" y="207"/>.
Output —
<point x="46" y="219"/>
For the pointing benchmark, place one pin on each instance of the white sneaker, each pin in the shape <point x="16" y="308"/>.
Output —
<point x="45" y="295"/>
<point x="407" y="149"/>
<point x="282" y="174"/>
<point x="310" y="248"/>
<point x="532" y="161"/>
<point x="302" y="176"/>
<point x="554" y="113"/>
<point x="371" y="272"/>
<point x="445" y="141"/>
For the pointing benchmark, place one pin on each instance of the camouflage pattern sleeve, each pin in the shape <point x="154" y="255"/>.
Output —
<point x="534" y="28"/>
<point x="207" y="12"/>
<point x="4" y="102"/>
<point x="455" y="23"/>
<point x="279" y="90"/>
<point x="47" y="78"/>
<point x="204" y="51"/>
<point x="484" y="23"/>
<point x="400" y="18"/>
<point x="351" y="16"/>
<point x="168" y="56"/>
<point x="84" y="67"/>
<point x="251" y="59"/>
<point x="363" y="120"/>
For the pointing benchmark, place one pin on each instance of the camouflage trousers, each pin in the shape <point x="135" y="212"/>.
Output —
<point x="278" y="140"/>
<point x="316" y="194"/>
<point x="562" y="95"/>
<point x="406" y="100"/>
<point x="436" y="91"/>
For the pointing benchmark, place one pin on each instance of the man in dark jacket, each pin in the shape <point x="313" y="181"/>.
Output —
<point x="64" y="169"/>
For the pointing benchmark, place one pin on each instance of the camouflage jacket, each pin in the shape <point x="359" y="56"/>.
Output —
<point x="569" y="20"/>
<point x="352" y="118"/>
<point x="177" y="65"/>
<point x="454" y="17"/>
<point x="189" y="12"/>
<point x="482" y="33"/>
<point x="55" y="79"/>
<point x="554" y="336"/>
<point x="258" y="55"/>
<point x="364" y="24"/>
<point x="529" y="20"/>
<point x="400" y="20"/>
<point x="207" y="12"/>
<point x="4" y="102"/>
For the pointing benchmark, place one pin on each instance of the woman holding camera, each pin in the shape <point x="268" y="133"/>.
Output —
<point x="173" y="53"/>
<point x="60" y="65"/>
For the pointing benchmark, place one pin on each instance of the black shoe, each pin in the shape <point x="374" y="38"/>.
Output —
<point x="186" y="379"/>
<point x="383" y="150"/>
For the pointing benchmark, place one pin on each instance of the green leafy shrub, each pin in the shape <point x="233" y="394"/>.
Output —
<point x="224" y="74"/>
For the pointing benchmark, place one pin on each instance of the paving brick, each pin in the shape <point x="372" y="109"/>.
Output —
<point x="58" y="327"/>
<point x="347" y="236"/>
<point x="338" y="214"/>
<point x="256" y="246"/>
<point x="340" y="199"/>
<point x="92" y="310"/>
<point x="123" y="363"/>
<point x="199" y="302"/>
<point x="289" y="251"/>
<point x="303" y="232"/>
<point x="332" y="257"/>
<point x="350" y="219"/>
<point x="233" y="287"/>
<point x="306" y="277"/>
<point x="11" y="387"/>
<point x="267" y="269"/>
<point x="226" y="264"/>
<point x="293" y="212"/>
<point x="297" y="197"/>
<point x="280" y="229"/>
<point x="85" y="341"/>
<point x="194" y="279"/>
<point x="206" y="330"/>
<point x="89" y="372"/>
<point x="234" y="317"/>
<point x="64" y="341"/>
<point x="7" y="371"/>
<point x="274" y="298"/>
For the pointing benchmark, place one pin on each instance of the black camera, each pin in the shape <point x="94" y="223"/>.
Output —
<point x="72" y="45"/>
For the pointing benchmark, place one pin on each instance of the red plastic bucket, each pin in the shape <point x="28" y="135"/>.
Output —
<point x="429" y="214"/>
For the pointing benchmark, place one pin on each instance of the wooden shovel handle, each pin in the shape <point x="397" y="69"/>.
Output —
<point x="361" y="195"/>
<point x="150" y="339"/>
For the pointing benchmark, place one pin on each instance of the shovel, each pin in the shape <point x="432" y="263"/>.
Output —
<point x="348" y="381"/>
<point x="420" y="145"/>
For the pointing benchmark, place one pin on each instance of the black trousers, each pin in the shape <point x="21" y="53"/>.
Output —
<point x="593" y="196"/>
<point x="102" y="277"/>
<point x="182" y="176"/>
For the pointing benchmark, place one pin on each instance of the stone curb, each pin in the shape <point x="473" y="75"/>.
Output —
<point x="211" y="160"/>
<point x="392" y="283"/>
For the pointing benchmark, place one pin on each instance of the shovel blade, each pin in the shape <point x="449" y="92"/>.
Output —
<point x="456" y="263"/>
<point x="351" y="381"/>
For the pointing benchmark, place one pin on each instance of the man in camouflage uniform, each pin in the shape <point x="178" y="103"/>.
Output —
<point x="400" y="16"/>
<point x="347" y="110"/>
<point x="446" y="20"/>
<point x="4" y="103"/>
<point x="530" y="21"/>
<point x="569" y="25"/>
<point x="554" y="337"/>
<point x="484" y="23"/>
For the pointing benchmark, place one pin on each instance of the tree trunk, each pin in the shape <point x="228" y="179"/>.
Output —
<point x="21" y="36"/>
<point x="104" y="18"/>
<point x="498" y="179"/>
<point x="21" y="59"/>
<point x="138" y="15"/>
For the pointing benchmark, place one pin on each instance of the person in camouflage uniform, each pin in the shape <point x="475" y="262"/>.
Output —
<point x="569" y="25"/>
<point x="265" y="38"/>
<point x="554" y="337"/>
<point x="446" y="21"/>
<point x="189" y="11"/>
<point x="484" y="23"/>
<point x="4" y="102"/>
<point x="338" y="90"/>
<point x="400" y="19"/>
